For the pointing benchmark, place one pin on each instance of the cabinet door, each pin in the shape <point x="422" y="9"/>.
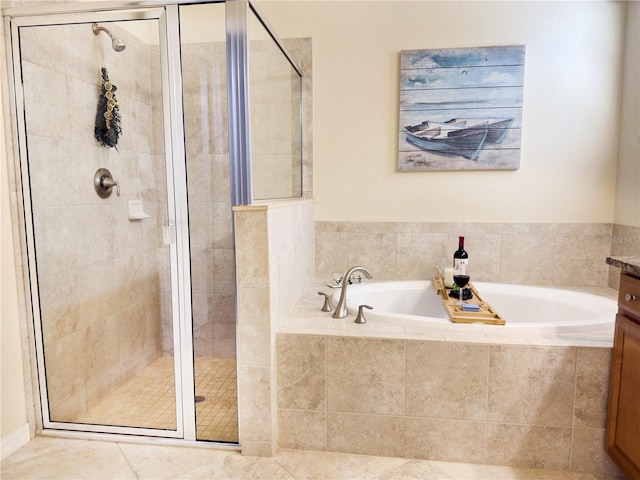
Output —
<point x="623" y="424"/>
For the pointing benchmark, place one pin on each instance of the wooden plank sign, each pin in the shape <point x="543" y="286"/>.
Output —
<point x="461" y="108"/>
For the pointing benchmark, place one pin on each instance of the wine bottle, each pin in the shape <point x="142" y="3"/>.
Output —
<point x="460" y="259"/>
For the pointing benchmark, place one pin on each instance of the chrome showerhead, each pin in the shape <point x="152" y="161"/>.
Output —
<point x="117" y="44"/>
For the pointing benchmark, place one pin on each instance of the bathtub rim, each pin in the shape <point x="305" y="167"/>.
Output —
<point x="593" y="322"/>
<point x="306" y="318"/>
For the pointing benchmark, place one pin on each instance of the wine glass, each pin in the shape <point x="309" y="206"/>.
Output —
<point x="461" y="279"/>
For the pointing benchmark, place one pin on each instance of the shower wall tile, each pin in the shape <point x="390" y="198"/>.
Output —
<point x="202" y="274"/>
<point x="198" y="177"/>
<point x="80" y="118"/>
<point x="301" y="50"/>
<point x="59" y="305"/>
<point x="131" y="330"/>
<point x="220" y="182"/>
<point x="223" y="272"/>
<point x="531" y="385"/>
<point x="200" y="218"/>
<point x="146" y="179"/>
<point x="65" y="371"/>
<point x="224" y="306"/>
<point x="41" y="46"/>
<point x="103" y="369"/>
<point x="40" y="103"/>
<point x="222" y="235"/>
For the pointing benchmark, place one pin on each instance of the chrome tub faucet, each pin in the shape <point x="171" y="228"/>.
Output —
<point x="341" y="309"/>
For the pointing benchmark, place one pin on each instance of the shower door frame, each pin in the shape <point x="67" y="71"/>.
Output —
<point x="177" y="206"/>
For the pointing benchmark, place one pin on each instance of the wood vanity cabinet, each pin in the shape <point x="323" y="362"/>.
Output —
<point x="622" y="441"/>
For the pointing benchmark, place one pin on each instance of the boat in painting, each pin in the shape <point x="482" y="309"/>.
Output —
<point x="449" y="139"/>
<point x="459" y="136"/>
<point x="497" y="127"/>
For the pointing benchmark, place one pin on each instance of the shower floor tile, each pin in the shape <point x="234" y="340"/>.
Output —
<point x="148" y="400"/>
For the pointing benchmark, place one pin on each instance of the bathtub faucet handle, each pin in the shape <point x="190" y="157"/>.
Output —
<point x="341" y="308"/>
<point x="327" y="306"/>
<point x="360" y="318"/>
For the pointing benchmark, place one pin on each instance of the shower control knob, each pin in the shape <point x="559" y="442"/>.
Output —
<point x="103" y="182"/>
<point x="629" y="298"/>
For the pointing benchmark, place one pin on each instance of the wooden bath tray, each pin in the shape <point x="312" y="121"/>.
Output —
<point x="487" y="314"/>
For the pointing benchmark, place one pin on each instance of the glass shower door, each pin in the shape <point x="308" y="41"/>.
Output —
<point x="101" y="251"/>
<point x="204" y="87"/>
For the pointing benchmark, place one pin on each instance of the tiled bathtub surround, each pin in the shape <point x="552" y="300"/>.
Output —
<point x="522" y="253"/>
<point x="519" y="405"/>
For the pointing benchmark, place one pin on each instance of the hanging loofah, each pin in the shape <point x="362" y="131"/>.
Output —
<point x="108" y="127"/>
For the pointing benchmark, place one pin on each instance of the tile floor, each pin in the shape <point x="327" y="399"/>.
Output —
<point x="148" y="400"/>
<point x="51" y="458"/>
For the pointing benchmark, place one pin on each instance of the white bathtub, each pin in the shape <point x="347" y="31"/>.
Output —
<point x="526" y="309"/>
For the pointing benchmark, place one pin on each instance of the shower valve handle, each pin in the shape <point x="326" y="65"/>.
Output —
<point x="109" y="183"/>
<point x="103" y="183"/>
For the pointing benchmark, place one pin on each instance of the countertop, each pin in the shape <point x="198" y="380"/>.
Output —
<point x="626" y="264"/>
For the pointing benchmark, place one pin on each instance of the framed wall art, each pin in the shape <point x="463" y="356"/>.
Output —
<point x="461" y="108"/>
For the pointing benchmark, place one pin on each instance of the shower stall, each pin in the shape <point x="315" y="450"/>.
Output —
<point x="138" y="128"/>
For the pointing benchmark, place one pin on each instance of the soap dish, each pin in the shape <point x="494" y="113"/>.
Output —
<point x="136" y="212"/>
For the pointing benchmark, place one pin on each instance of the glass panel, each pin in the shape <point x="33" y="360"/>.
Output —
<point x="275" y="116"/>
<point x="204" y="80"/>
<point x="103" y="269"/>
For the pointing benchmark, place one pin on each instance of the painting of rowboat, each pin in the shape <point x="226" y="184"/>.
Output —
<point x="461" y="109"/>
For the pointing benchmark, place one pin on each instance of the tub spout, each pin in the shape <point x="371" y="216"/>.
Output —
<point x="341" y="309"/>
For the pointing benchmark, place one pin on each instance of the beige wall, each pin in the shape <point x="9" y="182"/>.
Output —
<point x="572" y="82"/>
<point x="13" y="415"/>
<point x="627" y="207"/>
